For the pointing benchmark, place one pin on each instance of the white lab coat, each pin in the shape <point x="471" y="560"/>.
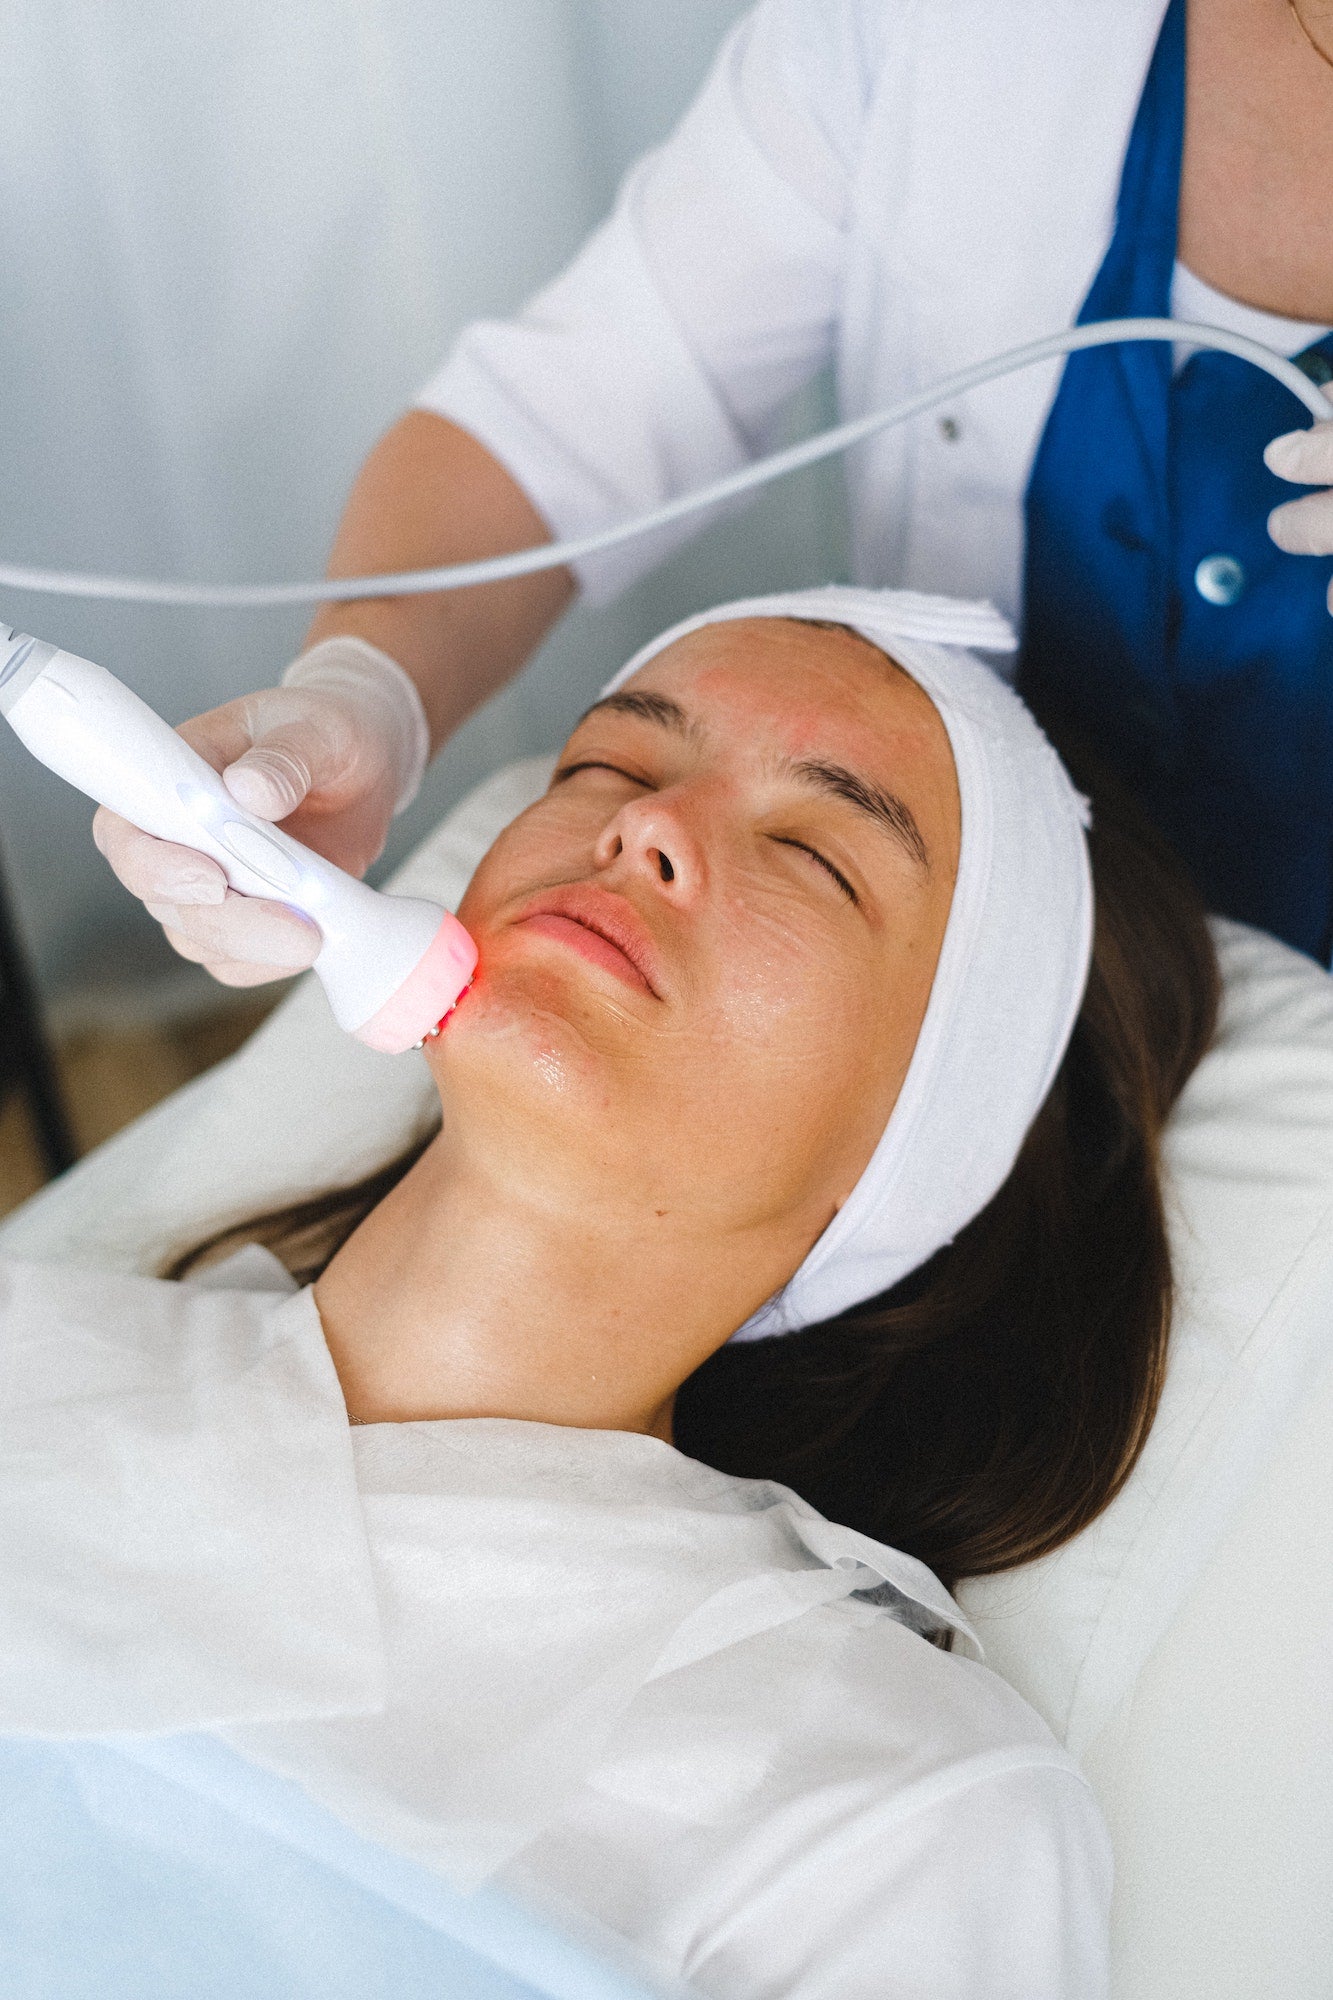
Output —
<point x="899" y="187"/>
<point x="576" y="1663"/>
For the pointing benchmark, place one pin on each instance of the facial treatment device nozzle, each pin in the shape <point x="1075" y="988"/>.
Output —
<point x="392" y="966"/>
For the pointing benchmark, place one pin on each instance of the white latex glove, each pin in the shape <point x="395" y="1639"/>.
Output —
<point x="334" y="753"/>
<point x="1304" y="527"/>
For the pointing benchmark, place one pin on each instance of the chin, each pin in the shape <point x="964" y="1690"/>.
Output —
<point x="520" y="1036"/>
<point x="528" y="1094"/>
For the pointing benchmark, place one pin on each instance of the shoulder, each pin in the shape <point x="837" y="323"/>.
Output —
<point x="927" y="1820"/>
<point x="837" y="1796"/>
<point x="843" y="1715"/>
<point x="802" y="76"/>
<point x="827" y="43"/>
<point x="912" y="1717"/>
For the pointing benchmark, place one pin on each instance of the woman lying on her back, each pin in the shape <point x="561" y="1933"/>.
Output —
<point x="784" y="1024"/>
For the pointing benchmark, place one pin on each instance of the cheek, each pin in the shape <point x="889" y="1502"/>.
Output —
<point x="553" y="841"/>
<point x="816" y="1013"/>
<point x="806" y="1048"/>
<point x="523" y="857"/>
<point x="788" y="964"/>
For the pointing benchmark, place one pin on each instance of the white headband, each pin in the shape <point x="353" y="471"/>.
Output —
<point x="1012" y="967"/>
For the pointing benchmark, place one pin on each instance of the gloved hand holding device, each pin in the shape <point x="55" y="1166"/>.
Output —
<point x="393" y="967"/>
<point x="333" y="752"/>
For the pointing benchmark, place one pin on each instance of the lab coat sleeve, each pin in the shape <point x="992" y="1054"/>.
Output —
<point x="657" y="360"/>
<point x="1000" y="1887"/>
<point x="181" y="1538"/>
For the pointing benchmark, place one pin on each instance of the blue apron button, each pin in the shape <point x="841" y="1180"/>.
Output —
<point x="1219" y="579"/>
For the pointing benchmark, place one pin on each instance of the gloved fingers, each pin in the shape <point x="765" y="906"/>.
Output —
<point x="244" y="931"/>
<point x="277" y="745"/>
<point x="224" y="970"/>
<point x="332" y="752"/>
<point x="220" y="735"/>
<point x="156" y="870"/>
<point x="307" y="763"/>
<point x="273" y="777"/>
<point x="1305" y="457"/>
<point x="295" y="743"/>
<point x="1304" y="527"/>
<point x="371" y="687"/>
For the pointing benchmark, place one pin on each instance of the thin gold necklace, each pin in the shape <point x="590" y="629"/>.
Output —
<point x="1322" y="54"/>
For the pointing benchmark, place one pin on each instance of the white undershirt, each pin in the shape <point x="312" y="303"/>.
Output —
<point x="1192" y="299"/>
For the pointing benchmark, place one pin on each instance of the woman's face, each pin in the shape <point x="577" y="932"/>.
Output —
<point x="705" y="953"/>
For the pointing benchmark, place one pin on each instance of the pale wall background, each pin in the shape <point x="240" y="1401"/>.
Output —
<point x="235" y="236"/>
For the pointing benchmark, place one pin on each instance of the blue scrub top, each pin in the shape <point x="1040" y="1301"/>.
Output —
<point x="1162" y="625"/>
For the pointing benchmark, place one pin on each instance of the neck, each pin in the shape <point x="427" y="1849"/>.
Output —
<point x="1255" y="220"/>
<point x="458" y="1297"/>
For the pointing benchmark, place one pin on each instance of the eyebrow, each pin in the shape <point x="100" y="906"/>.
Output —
<point x="648" y="707"/>
<point x="887" y="810"/>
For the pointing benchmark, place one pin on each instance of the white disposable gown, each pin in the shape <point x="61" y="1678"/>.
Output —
<point x="572" y="1663"/>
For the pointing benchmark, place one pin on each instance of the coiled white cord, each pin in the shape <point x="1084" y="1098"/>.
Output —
<point x="552" y="555"/>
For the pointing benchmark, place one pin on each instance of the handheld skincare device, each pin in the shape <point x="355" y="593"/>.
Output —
<point x="392" y="966"/>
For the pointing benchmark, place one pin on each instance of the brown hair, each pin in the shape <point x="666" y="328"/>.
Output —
<point x="988" y="1407"/>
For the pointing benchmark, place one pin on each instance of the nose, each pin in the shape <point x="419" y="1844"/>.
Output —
<point x="651" y="836"/>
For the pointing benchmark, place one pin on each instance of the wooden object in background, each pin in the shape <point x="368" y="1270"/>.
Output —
<point x="112" y="1075"/>
<point x="26" y="1067"/>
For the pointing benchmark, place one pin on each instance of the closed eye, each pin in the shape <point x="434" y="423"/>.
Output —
<point x="595" y="764"/>
<point x="825" y="864"/>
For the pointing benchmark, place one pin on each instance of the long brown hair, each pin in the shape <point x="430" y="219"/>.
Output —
<point x="988" y="1407"/>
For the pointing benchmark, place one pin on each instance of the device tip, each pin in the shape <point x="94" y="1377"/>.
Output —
<point x="417" y="1011"/>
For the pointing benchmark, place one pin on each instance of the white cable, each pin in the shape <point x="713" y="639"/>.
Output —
<point x="552" y="555"/>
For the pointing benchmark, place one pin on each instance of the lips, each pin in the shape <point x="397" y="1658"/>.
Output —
<point x="602" y="927"/>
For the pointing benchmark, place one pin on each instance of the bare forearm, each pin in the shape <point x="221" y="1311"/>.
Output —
<point x="430" y="494"/>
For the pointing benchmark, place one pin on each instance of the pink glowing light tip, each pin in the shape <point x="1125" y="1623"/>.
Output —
<point x="426" y="996"/>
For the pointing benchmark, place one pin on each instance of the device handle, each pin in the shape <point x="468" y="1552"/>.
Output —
<point x="392" y="966"/>
<point x="93" y="731"/>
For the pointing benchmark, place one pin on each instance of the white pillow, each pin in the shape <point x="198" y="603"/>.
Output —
<point x="1216" y="1772"/>
<point x="1250" y="1157"/>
